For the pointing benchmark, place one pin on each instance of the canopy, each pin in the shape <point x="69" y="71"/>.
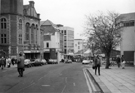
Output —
<point x="87" y="53"/>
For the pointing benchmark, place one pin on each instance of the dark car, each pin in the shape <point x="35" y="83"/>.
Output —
<point x="68" y="61"/>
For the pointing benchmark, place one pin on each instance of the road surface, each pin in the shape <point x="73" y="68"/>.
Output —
<point x="55" y="78"/>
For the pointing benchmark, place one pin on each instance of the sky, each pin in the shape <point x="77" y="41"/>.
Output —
<point x="73" y="13"/>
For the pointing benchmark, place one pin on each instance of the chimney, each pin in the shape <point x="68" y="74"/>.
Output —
<point x="32" y="3"/>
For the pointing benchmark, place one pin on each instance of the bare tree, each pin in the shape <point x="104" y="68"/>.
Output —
<point x="103" y="34"/>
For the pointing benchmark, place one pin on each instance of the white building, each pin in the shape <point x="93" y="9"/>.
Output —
<point x="126" y="22"/>
<point x="51" y="41"/>
<point x="78" y="45"/>
<point x="68" y="42"/>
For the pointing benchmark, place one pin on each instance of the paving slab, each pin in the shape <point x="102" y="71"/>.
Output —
<point x="115" y="80"/>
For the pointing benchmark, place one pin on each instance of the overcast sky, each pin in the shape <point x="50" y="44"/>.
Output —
<point x="72" y="12"/>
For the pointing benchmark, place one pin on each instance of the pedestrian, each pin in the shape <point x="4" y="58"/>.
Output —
<point x="97" y="64"/>
<point x="118" y="61"/>
<point x="13" y="61"/>
<point x="2" y="63"/>
<point x="20" y="64"/>
<point x="8" y="62"/>
<point x="123" y="62"/>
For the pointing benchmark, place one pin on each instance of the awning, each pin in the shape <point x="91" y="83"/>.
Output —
<point x="27" y="51"/>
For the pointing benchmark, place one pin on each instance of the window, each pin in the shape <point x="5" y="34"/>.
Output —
<point x="32" y="34"/>
<point x="3" y="23"/>
<point x="78" y="47"/>
<point x="65" y="32"/>
<point x="129" y="23"/>
<point x="47" y="45"/>
<point x="78" y="43"/>
<point x="20" y="38"/>
<point x="65" y="51"/>
<point x="20" y="24"/>
<point x="3" y="39"/>
<point x="27" y="32"/>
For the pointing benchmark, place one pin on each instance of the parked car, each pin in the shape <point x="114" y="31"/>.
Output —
<point x="27" y="63"/>
<point x="52" y="61"/>
<point x="43" y="61"/>
<point x="86" y="61"/>
<point x="68" y="61"/>
<point x="37" y="62"/>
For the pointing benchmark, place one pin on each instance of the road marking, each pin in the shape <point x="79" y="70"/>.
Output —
<point x="63" y="89"/>
<point x="45" y="85"/>
<point x="74" y="84"/>
<point x="89" y="88"/>
<point x="92" y="85"/>
<point x="26" y="87"/>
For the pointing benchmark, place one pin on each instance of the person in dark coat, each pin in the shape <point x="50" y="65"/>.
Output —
<point x="2" y="63"/>
<point x="20" y="64"/>
<point x="118" y="61"/>
<point x="97" y="63"/>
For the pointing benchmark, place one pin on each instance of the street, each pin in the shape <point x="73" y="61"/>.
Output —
<point x="56" y="78"/>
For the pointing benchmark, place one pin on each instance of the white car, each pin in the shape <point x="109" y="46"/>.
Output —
<point x="43" y="61"/>
<point x="27" y="62"/>
<point x="86" y="62"/>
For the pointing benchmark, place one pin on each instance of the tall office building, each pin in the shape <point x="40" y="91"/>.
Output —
<point x="68" y="39"/>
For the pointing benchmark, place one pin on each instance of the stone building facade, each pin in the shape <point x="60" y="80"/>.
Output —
<point x="19" y="29"/>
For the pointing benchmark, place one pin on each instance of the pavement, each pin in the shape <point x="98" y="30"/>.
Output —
<point x="115" y="80"/>
<point x="6" y="68"/>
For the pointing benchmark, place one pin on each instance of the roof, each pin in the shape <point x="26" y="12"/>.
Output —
<point x="47" y="22"/>
<point x="126" y="17"/>
<point x="25" y="7"/>
<point x="49" y="29"/>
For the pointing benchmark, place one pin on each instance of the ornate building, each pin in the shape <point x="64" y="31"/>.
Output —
<point x="19" y="29"/>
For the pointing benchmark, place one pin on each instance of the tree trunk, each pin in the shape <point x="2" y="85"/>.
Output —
<point x="107" y="61"/>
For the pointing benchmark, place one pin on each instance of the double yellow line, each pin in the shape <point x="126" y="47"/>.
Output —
<point x="89" y="82"/>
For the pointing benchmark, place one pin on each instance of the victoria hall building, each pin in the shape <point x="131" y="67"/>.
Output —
<point x="19" y="29"/>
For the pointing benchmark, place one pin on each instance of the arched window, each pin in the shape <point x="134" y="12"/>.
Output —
<point x="36" y="33"/>
<point x="27" y="31"/>
<point x="32" y="33"/>
<point x="3" y="23"/>
<point x="20" y="24"/>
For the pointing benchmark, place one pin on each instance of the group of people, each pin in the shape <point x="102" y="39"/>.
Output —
<point x="120" y="61"/>
<point x="6" y="62"/>
<point x="97" y="63"/>
<point x="19" y="61"/>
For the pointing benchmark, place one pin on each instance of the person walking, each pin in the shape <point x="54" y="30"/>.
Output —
<point x="2" y="63"/>
<point x="97" y="63"/>
<point x="123" y="62"/>
<point x="8" y="62"/>
<point x="20" y="64"/>
<point x="118" y="61"/>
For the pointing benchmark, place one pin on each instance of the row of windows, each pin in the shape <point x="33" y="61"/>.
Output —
<point x="125" y="24"/>
<point x="64" y="32"/>
<point x="3" y="22"/>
